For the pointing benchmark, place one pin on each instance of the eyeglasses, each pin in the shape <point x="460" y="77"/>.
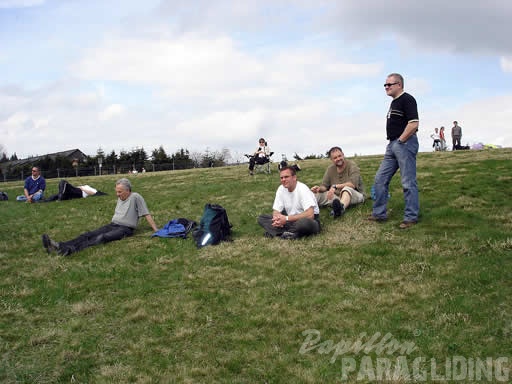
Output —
<point x="390" y="84"/>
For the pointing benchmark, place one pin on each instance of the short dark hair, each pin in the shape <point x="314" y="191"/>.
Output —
<point x="333" y="149"/>
<point x="290" y="168"/>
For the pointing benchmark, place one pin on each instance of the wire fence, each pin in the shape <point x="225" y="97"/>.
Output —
<point x="83" y="171"/>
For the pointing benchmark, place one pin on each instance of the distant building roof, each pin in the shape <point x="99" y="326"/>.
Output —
<point x="70" y="154"/>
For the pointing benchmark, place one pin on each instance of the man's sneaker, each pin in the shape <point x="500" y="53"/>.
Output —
<point x="376" y="219"/>
<point x="46" y="242"/>
<point x="338" y="209"/>
<point x="49" y="244"/>
<point x="289" y="235"/>
<point x="407" y="224"/>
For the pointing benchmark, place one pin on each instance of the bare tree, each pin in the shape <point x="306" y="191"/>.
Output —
<point x="197" y="158"/>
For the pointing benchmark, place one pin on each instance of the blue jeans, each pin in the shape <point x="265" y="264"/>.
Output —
<point x="403" y="156"/>
<point x="35" y="197"/>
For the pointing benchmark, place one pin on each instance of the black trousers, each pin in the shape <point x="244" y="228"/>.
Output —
<point x="105" y="234"/>
<point x="257" y="160"/>
<point x="67" y="191"/>
<point x="302" y="227"/>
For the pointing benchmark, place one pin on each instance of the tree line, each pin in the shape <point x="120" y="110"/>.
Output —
<point x="136" y="160"/>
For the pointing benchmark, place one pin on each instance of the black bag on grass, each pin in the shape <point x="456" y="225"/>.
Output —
<point x="3" y="196"/>
<point x="213" y="228"/>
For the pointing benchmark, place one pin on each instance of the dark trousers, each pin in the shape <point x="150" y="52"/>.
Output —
<point x="105" y="234"/>
<point x="67" y="191"/>
<point x="302" y="227"/>
<point x="257" y="160"/>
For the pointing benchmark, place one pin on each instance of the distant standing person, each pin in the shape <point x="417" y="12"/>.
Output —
<point x="456" y="135"/>
<point x="442" y="138"/>
<point x="437" y="140"/>
<point x="401" y="127"/>
<point x="34" y="187"/>
<point x="130" y="207"/>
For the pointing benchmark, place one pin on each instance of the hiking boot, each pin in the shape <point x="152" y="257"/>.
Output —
<point x="376" y="219"/>
<point x="407" y="224"/>
<point x="49" y="244"/>
<point x="338" y="209"/>
<point x="289" y="235"/>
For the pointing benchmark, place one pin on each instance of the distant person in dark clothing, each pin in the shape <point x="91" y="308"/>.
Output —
<point x="34" y="187"/>
<point x="67" y="192"/>
<point x="456" y="135"/>
<point x="130" y="207"/>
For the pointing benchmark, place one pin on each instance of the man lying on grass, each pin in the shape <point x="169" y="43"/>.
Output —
<point x="130" y="207"/>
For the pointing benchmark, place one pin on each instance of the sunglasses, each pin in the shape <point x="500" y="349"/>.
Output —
<point x="390" y="84"/>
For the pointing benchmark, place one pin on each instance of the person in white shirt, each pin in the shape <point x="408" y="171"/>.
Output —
<point x="295" y="209"/>
<point x="437" y="140"/>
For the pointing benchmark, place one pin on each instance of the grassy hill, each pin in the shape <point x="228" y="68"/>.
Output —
<point x="152" y="310"/>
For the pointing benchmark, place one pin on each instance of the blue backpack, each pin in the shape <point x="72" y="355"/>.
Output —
<point x="176" y="228"/>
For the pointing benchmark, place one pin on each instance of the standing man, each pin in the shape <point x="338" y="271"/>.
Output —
<point x="401" y="127"/>
<point x="342" y="184"/>
<point x="130" y="206"/>
<point x="295" y="210"/>
<point x="456" y="135"/>
<point x="34" y="187"/>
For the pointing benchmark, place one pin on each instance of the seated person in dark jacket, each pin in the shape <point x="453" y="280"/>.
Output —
<point x="34" y="187"/>
<point x="67" y="192"/>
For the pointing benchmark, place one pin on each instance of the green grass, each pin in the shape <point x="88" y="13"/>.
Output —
<point x="151" y="310"/>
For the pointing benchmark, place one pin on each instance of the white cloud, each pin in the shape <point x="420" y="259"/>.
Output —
<point x="111" y="112"/>
<point x="20" y="3"/>
<point x="304" y="74"/>
<point x="506" y="64"/>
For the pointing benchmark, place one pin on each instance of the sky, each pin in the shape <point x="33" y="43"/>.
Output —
<point x="207" y="75"/>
